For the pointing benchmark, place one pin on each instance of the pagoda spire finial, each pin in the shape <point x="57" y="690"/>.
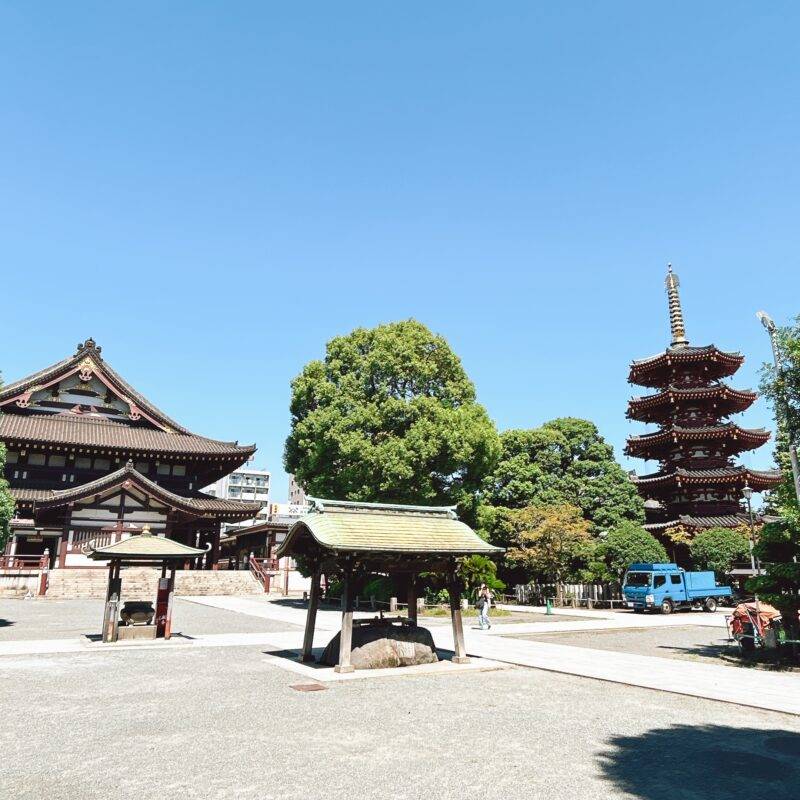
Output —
<point x="675" y="312"/>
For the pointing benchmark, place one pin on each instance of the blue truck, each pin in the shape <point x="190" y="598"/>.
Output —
<point x="665" y="587"/>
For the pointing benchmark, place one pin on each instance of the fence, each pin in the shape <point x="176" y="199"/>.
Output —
<point x="574" y="594"/>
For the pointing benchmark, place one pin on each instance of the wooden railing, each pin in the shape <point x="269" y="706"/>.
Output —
<point x="261" y="568"/>
<point x="32" y="563"/>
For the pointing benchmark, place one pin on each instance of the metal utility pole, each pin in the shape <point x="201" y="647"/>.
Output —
<point x="771" y="328"/>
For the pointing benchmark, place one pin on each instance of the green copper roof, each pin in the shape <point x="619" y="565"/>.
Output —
<point x="143" y="547"/>
<point x="342" y="526"/>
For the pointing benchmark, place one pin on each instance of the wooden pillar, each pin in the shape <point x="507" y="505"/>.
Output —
<point x="311" y="618"/>
<point x="346" y="636"/>
<point x="459" y="648"/>
<point x="412" y="598"/>
<point x="212" y="558"/>
<point x="168" y="623"/>
<point x="113" y="597"/>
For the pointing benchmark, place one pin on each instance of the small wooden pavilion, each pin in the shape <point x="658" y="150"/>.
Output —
<point x="345" y="538"/>
<point x="143" y="549"/>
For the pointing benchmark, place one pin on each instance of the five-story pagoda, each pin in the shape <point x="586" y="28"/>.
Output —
<point x="698" y="484"/>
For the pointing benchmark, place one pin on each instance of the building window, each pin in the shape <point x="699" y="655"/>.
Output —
<point x="57" y="461"/>
<point x="37" y="459"/>
<point x="163" y="469"/>
<point x="102" y="463"/>
<point x="83" y="463"/>
<point x="179" y="469"/>
<point x="142" y="466"/>
<point x="12" y="456"/>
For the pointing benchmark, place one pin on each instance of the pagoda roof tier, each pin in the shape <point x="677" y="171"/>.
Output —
<point x="85" y="432"/>
<point x="656" y="371"/>
<point x="196" y="505"/>
<point x="655" y="407"/>
<point x="653" y="445"/>
<point x="728" y="476"/>
<point x="694" y="522"/>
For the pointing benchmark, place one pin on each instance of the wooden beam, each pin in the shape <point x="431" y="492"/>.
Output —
<point x="346" y="636"/>
<point x="412" y="598"/>
<point x="311" y="618"/>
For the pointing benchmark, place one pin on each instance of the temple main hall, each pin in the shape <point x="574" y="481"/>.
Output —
<point x="90" y="458"/>
<point x="698" y="483"/>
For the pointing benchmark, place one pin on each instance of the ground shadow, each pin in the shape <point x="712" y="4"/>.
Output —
<point x="4" y="623"/>
<point x="705" y="763"/>
<point x="705" y="650"/>
<point x="294" y="655"/>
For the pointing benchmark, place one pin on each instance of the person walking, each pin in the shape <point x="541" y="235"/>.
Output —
<point x="483" y="604"/>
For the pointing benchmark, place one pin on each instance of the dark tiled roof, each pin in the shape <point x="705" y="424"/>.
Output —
<point x="757" y="436"/>
<point x="687" y="354"/>
<point x="167" y="436"/>
<point x="196" y="504"/>
<point x="759" y="478"/>
<point x="90" y="350"/>
<point x="730" y="521"/>
<point x="102" y="433"/>
<point x="650" y="371"/>
<point x="738" y="399"/>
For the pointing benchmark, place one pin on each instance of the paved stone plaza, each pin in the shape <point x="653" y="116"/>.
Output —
<point x="188" y="719"/>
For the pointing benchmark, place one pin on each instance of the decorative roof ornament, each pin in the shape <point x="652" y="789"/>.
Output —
<point x="89" y="344"/>
<point x="675" y="312"/>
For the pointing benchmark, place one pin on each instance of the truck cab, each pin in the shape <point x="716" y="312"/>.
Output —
<point x="666" y="587"/>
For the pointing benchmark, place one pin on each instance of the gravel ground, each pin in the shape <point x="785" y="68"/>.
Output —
<point x="67" y="619"/>
<point x="690" y="643"/>
<point x="222" y="723"/>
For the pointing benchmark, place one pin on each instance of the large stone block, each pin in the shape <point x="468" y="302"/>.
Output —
<point x="383" y="645"/>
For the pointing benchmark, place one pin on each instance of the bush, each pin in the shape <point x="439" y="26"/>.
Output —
<point x="626" y="544"/>
<point x="718" y="549"/>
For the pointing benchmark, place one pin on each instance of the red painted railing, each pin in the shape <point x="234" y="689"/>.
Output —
<point x="261" y="568"/>
<point x="32" y="563"/>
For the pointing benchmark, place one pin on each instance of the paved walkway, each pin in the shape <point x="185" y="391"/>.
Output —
<point x="749" y="687"/>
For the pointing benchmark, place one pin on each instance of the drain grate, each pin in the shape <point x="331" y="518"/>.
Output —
<point x="308" y="687"/>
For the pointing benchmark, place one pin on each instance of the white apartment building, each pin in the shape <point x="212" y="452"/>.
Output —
<point x="245" y="483"/>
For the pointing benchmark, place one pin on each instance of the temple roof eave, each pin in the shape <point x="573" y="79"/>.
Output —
<point x="760" y="480"/>
<point x="750" y="438"/>
<point x="194" y="505"/>
<point x="93" y="434"/>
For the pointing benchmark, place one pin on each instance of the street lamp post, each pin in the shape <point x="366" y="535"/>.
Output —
<point x="771" y="329"/>
<point x="747" y="492"/>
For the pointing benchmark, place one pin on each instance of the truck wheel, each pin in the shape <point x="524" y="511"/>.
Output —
<point x="710" y="605"/>
<point x="667" y="607"/>
<point x="638" y="611"/>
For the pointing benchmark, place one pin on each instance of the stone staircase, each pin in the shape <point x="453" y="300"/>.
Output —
<point x="141" y="583"/>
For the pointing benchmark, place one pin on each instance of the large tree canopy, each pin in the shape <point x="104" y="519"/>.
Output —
<point x="564" y="461"/>
<point x="626" y="544"/>
<point x="779" y="542"/>
<point x="390" y="416"/>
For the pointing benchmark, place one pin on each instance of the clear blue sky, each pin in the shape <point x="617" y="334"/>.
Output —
<point x="213" y="190"/>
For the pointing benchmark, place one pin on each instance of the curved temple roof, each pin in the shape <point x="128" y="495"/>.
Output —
<point x="144" y="547"/>
<point x="374" y="528"/>
<point x="144" y="429"/>
<point x="195" y="505"/>
<point x="652" y="371"/>
<point x="655" y="406"/>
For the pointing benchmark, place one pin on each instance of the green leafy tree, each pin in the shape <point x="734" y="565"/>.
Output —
<point x="476" y="570"/>
<point x="564" y="461"/>
<point x="625" y="544"/>
<point x="550" y="542"/>
<point x="390" y="416"/>
<point x="778" y="547"/>
<point x="719" y="549"/>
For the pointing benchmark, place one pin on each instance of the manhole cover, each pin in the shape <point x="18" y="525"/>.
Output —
<point x="308" y="687"/>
